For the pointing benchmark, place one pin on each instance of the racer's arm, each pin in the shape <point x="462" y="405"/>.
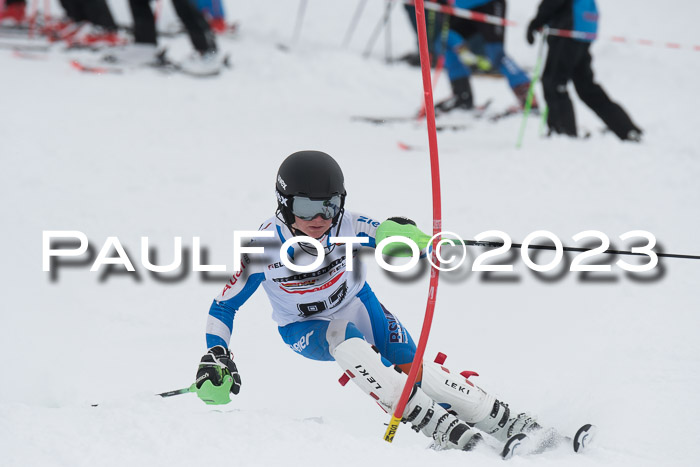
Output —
<point x="217" y="376"/>
<point x="223" y="310"/>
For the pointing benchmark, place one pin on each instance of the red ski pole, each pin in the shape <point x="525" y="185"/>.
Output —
<point x="437" y="225"/>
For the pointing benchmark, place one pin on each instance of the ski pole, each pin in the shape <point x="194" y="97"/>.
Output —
<point x="353" y="23"/>
<point x="531" y="90"/>
<point x="571" y="248"/>
<point x="425" y="238"/>
<point x="176" y="392"/>
<point x="387" y="38"/>
<point x="543" y="120"/>
<point x="378" y="29"/>
<point x="300" y="19"/>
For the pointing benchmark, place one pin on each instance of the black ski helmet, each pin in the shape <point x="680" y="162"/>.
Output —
<point x="312" y="174"/>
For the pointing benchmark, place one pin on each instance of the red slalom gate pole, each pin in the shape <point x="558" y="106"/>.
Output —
<point x="436" y="77"/>
<point x="437" y="225"/>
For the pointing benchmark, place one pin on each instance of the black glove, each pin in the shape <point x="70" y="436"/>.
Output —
<point x="215" y="365"/>
<point x="530" y="36"/>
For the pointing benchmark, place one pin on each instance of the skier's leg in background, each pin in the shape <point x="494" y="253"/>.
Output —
<point x="558" y="70"/>
<point x="197" y="27"/>
<point x="433" y="24"/>
<point x="144" y="50"/>
<point x="459" y="75"/>
<point x="593" y="95"/>
<point x="98" y="27"/>
<point x="518" y="80"/>
<point x="98" y="13"/>
<point x="71" y="9"/>
<point x="494" y="40"/>
<point x="144" y="22"/>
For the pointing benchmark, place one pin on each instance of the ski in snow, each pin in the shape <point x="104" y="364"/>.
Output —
<point x="512" y="445"/>
<point x="522" y="444"/>
<point x="583" y="437"/>
<point x="24" y="46"/>
<point x="96" y="69"/>
<point x="162" y="63"/>
<point x="476" y="112"/>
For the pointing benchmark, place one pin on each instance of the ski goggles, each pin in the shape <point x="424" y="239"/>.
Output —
<point x="307" y="208"/>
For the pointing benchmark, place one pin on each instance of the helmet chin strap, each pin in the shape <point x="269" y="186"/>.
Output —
<point x="338" y="222"/>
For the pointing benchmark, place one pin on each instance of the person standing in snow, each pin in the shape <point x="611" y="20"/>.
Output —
<point x="433" y="26"/>
<point x="205" y="60"/>
<point x="330" y="313"/>
<point x="458" y="57"/>
<point x="570" y="59"/>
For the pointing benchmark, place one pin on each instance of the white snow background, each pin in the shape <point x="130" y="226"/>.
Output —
<point x="163" y="156"/>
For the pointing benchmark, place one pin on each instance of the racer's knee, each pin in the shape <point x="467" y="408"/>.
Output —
<point x="340" y="331"/>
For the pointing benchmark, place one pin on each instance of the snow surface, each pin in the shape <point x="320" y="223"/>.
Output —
<point x="149" y="155"/>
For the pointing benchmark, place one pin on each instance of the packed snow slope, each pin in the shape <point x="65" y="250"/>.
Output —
<point x="144" y="154"/>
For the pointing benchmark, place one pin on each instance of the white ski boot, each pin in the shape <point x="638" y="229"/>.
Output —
<point x="208" y="63"/>
<point x="472" y="404"/>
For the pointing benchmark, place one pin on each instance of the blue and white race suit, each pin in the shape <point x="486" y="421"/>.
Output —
<point x="305" y="303"/>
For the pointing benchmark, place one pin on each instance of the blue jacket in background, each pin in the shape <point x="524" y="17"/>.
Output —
<point x="576" y="15"/>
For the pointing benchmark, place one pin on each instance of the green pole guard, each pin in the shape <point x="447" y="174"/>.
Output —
<point x="543" y="122"/>
<point x="391" y="228"/>
<point x="215" y="395"/>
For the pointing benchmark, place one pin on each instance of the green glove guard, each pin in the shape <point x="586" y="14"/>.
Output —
<point x="390" y="228"/>
<point x="216" y="395"/>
